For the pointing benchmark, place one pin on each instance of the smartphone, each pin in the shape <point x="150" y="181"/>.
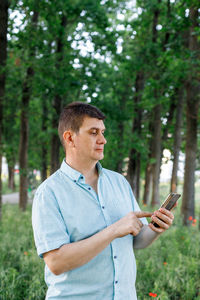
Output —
<point x="169" y="202"/>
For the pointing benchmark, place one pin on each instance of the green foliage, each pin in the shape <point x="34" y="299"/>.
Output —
<point x="103" y="76"/>
<point x="81" y="60"/>
<point x="170" y="267"/>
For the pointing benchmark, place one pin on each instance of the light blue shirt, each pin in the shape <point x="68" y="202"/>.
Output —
<point x="67" y="210"/>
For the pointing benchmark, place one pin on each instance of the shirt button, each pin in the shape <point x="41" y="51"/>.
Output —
<point x="74" y="180"/>
<point x="81" y="177"/>
<point x="116" y="281"/>
<point x="89" y="188"/>
<point x="115" y="256"/>
<point x="103" y="207"/>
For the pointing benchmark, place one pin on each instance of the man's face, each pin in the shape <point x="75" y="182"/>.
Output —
<point x="89" y="141"/>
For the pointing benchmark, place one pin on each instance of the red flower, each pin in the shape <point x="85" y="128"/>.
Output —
<point x="153" y="295"/>
<point x="194" y="220"/>
<point x="190" y="218"/>
<point x="165" y="263"/>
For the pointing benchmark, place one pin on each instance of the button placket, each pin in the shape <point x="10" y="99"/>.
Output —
<point x="102" y="205"/>
<point x="115" y="262"/>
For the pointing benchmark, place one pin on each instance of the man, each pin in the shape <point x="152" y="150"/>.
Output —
<point x="86" y="220"/>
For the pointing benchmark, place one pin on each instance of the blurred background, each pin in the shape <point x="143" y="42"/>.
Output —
<point x="139" y="62"/>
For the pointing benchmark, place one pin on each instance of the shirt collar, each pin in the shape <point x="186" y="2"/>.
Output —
<point x="74" y="174"/>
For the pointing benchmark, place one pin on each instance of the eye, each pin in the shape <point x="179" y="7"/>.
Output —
<point x="94" y="132"/>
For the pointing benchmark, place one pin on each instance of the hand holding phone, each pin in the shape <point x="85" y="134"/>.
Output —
<point x="169" y="203"/>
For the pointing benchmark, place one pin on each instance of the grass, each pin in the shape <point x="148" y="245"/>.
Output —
<point x="21" y="271"/>
<point x="6" y="190"/>
<point x="170" y="267"/>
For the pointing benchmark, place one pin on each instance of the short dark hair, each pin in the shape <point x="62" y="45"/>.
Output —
<point x="73" y="114"/>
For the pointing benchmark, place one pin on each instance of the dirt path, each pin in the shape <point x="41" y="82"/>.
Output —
<point x="12" y="198"/>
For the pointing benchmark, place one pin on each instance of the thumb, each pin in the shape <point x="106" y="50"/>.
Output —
<point x="142" y="214"/>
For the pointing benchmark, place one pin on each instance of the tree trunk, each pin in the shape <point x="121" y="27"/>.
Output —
<point x="44" y="163"/>
<point x="44" y="144"/>
<point x="57" y="102"/>
<point x="133" y="173"/>
<point x="148" y="169"/>
<point x="148" y="183"/>
<point x="11" y="177"/>
<point x="3" y="56"/>
<point x="120" y="147"/>
<point x="156" y="143"/>
<point x="23" y="147"/>
<point x="156" y="154"/>
<point x="190" y="153"/>
<point x="177" y="140"/>
<point x="192" y="105"/>
<point x="137" y="182"/>
<point x="55" y="142"/>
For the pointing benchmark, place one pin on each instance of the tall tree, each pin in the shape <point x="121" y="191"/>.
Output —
<point x="134" y="156"/>
<point x="26" y="96"/>
<point x="156" y="149"/>
<point x="177" y="139"/>
<point x="3" y="56"/>
<point x="44" y="145"/>
<point x="58" y="99"/>
<point x="192" y="105"/>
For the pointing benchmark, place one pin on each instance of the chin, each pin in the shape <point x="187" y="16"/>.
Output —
<point x="99" y="157"/>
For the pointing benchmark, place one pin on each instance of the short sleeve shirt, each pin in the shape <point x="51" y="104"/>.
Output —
<point x="66" y="210"/>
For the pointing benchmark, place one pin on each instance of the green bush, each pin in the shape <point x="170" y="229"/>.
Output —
<point x="170" y="267"/>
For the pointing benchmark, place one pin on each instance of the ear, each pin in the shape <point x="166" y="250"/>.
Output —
<point x="68" y="137"/>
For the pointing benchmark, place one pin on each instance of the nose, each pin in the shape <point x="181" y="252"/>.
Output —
<point x="102" y="139"/>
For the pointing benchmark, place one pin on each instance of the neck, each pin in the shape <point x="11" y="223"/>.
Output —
<point x="88" y="169"/>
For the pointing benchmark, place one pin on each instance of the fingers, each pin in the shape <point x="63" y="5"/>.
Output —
<point x="135" y="224"/>
<point x="136" y="228"/>
<point x="167" y="213"/>
<point x="156" y="229"/>
<point x="163" y="218"/>
<point x="142" y="214"/>
<point x="159" y="222"/>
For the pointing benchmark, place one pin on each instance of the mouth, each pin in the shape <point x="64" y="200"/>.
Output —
<point x="99" y="150"/>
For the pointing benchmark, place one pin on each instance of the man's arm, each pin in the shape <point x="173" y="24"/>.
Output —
<point x="150" y="233"/>
<point x="74" y="255"/>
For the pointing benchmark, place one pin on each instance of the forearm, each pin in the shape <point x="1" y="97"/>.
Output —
<point x="74" y="255"/>
<point x="145" y="237"/>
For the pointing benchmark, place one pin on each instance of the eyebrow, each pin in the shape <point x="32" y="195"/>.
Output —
<point x="97" y="128"/>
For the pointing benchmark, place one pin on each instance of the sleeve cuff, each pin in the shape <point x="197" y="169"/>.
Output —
<point x="41" y="249"/>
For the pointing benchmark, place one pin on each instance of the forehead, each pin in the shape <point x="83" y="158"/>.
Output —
<point x="89" y="123"/>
